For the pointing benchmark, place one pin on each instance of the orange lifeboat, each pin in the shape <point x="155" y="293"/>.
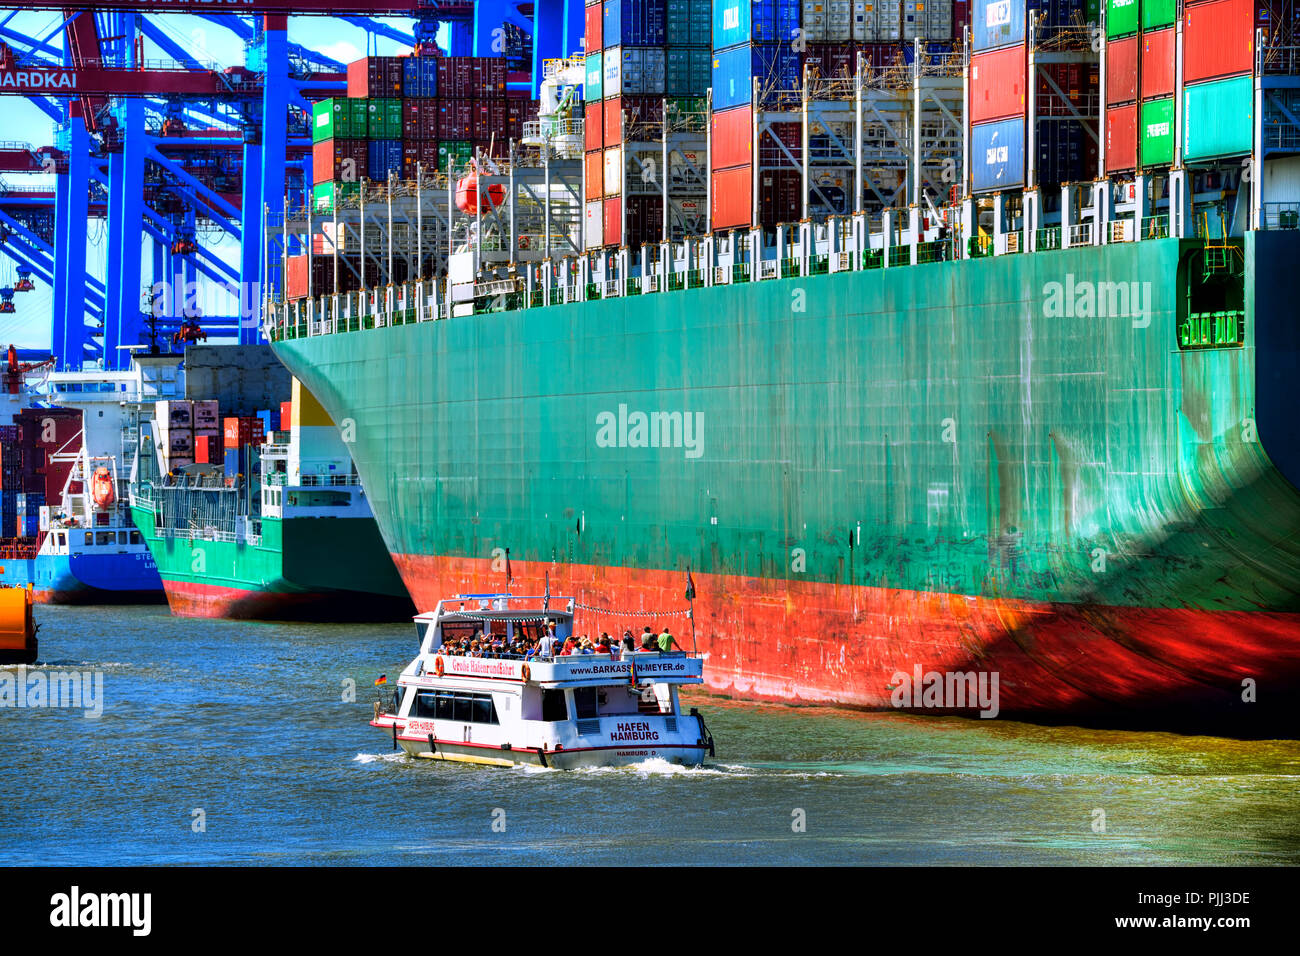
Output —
<point x="101" y="488"/>
<point x="468" y="196"/>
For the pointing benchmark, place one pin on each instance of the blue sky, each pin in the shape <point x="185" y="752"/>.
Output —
<point x="29" y="326"/>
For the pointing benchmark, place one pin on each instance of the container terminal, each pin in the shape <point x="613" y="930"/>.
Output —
<point x="916" y="336"/>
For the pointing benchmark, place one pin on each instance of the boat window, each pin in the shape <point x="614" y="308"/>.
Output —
<point x="424" y="705"/>
<point x="104" y="537"/>
<point x="121" y="537"/>
<point x="584" y="702"/>
<point x="444" y="705"/>
<point x="135" y="538"/>
<point x="554" y="706"/>
<point x="90" y="538"/>
<point x="485" y="711"/>
<point x="63" y="539"/>
<point x="463" y="708"/>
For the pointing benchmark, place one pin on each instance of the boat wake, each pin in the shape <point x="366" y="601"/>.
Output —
<point x="390" y="757"/>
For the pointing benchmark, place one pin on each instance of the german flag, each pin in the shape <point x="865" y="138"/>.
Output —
<point x="381" y="679"/>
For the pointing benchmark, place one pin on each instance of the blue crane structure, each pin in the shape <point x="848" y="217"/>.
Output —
<point x="179" y="158"/>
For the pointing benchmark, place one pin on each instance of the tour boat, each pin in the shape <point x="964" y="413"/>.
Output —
<point x="579" y="710"/>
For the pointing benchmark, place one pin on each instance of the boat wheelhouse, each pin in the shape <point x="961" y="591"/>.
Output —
<point x="579" y="710"/>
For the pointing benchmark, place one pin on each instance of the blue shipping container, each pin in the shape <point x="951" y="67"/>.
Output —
<point x="385" y="156"/>
<point x="234" y="462"/>
<point x="420" y="77"/>
<point x="754" y="21"/>
<point x="634" y="23"/>
<point x="997" y="155"/>
<point x="998" y="23"/>
<point x="775" y="64"/>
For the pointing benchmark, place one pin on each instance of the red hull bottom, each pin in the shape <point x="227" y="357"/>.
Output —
<point x="191" y="599"/>
<point x="801" y="642"/>
<point x="97" y="596"/>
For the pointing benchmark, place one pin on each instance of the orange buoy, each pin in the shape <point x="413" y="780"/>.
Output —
<point x="101" y="488"/>
<point x="470" y="200"/>
<point x="17" y="632"/>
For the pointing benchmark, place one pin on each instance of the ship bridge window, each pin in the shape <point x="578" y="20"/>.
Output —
<point x="584" y="702"/>
<point x="135" y="538"/>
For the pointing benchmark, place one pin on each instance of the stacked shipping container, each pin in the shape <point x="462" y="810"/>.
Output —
<point x="1141" y="61"/>
<point x="641" y="54"/>
<point x="999" y="90"/>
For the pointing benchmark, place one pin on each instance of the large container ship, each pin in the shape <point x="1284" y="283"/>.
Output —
<point x="1038" y="426"/>
<point x="281" y="529"/>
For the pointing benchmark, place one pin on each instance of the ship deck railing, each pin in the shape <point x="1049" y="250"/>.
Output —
<point x="894" y="239"/>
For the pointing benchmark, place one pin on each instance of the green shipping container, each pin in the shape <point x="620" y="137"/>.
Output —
<point x="1158" y="13"/>
<point x="384" y="118"/>
<point x="1219" y="118"/>
<point x="458" y="151"/>
<point x="595" y="70"/>
<point x="323" y="195"/>
<point x="338" y="117"/>
<point x="1157" y="143"/>
<point x="1121" y="17"/>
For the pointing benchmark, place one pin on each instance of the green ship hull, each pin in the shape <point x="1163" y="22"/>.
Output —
<point x="326" y="569"/>
<point x="1023" y="464"/>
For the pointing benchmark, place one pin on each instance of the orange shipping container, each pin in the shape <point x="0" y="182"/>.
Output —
<point x="733" y="138"/>
<point x="1121" y="71"/>
<point x="595" y="24"/>
<point x="613" y="121"/>
<point x="1218" y="39"/>
<point x="997" y="84"/>
<point x="593" y="173"/>
<point x="1157" y="64"/>
<point x="732" y="197"/>
<point x="1121" y="138"/>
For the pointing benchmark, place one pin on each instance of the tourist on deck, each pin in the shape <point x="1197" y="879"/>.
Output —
<point x="602" y="646"/>
<point x="546" y="645"/>
<point x="569" y="646"/>
<point x="629" y="642"/>
<point x="648" y="641"/>
<point x="667" y="642"/>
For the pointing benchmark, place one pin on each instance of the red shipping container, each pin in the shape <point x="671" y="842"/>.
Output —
<point x="613" y="121"/>
<point x="202" y="454"/>
<point x="731" y="200"/>
<point x="594" y="22"/>
<point x="1158" y="64"/>
<point x="1121" y="70"/>
<point x="416" y="123"/>
<point x="286" y="415"/>
<point x="593" y="125"/>
<point x="781" y="144"/>
<point x="733" y="138"/>
<point x="997" y="84"/>
<point x="344" y="160"/>
<point x="295" y="276"/>
<point x="613" y="222"/>
<point x="375" y="76"/>
<point x="519" y="112"/>
<point x="1218" y="39"/>
<point x="1121" y="138"/>
<point x="593" y="173"/>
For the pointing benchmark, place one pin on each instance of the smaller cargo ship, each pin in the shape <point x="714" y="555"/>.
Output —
<point x="489" y="687"/>
<point x="256" y="522"/>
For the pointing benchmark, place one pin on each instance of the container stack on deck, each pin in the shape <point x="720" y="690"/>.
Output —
<point x="643" y="57"/>
<point x="1000" y="86"/>
<point x="31" y="483"/>
<point x="402" y="113"/>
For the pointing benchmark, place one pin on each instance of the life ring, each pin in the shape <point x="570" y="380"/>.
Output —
<point x="526" y="673"/>
<point x="438" y="665"/>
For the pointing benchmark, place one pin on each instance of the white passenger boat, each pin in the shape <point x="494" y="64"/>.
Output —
<point x="580" y="710"/>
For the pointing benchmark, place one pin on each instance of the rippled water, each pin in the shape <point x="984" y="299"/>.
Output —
<point x="246" y="722"/>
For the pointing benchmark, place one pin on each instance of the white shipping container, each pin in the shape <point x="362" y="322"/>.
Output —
<point x="612" y="84"/>
<point x="642" y="72"/>
<point x="939" y="20"/>
<point x="174" y="414"/>
<point x="814" y="25"/>
<point x="614" y="171"/>
<point x="593" y="227"/>
<point x="864" y="21"/>
<point x="205" y="414"/>
<point x="839" y="21"/>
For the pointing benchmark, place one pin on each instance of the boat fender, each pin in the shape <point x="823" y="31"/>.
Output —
<point x="438" y="665"/>
<point x="541" y="754"/>
<point x="394" y="735"/>
<point x="433" y="748"/>
<point x="526" y="673"/>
